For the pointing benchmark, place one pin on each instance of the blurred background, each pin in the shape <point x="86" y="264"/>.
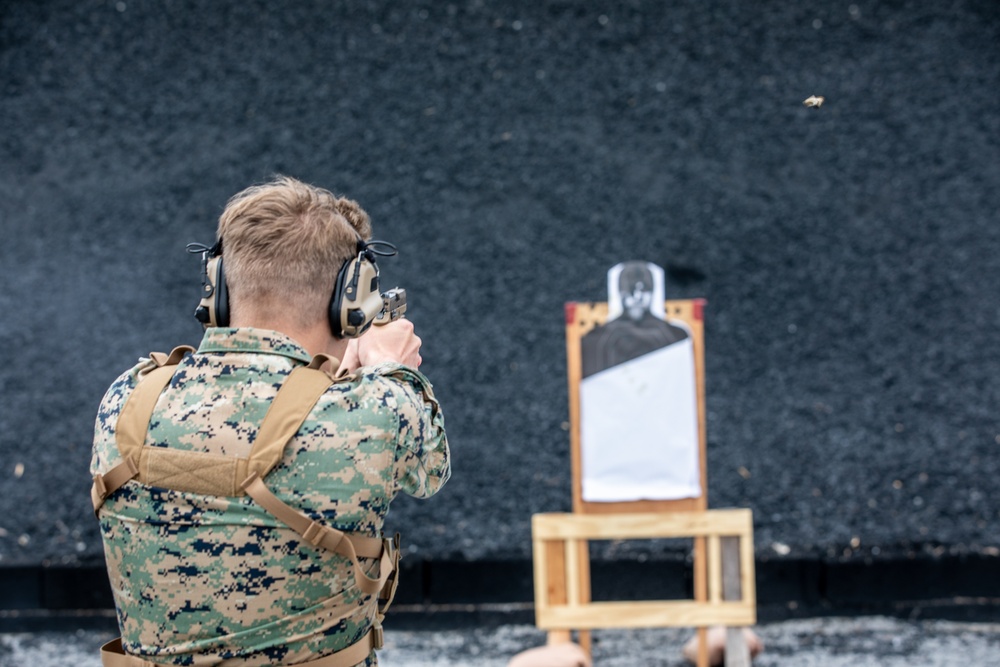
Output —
<point x="514" y="151"/>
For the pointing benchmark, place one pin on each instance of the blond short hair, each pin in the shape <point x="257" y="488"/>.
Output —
<point x="283" y="243"/>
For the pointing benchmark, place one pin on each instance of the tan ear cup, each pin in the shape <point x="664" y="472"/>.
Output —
<point x="213" y="309"/>
<point x="361" y="301"/>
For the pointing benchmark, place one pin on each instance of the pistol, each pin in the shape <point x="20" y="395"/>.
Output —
<point x="393" y="306"/>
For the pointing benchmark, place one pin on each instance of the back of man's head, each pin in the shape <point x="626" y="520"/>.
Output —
<point x="283" y="244"/>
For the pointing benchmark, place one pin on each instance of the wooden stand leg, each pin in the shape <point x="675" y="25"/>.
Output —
<point x="702" y="647"/>
<point x="701" y="594"/>
<point x="555" y="593"/>
<point x="558" y="637"/>
<point x="584" y="568"/>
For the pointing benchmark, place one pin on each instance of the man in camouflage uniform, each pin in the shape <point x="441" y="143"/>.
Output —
<point x="215" y="580"/>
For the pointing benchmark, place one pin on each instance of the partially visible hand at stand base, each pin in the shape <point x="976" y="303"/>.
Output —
<point x="393" y="342"/>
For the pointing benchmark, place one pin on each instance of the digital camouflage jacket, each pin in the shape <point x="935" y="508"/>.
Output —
<point x="209" y="580"/>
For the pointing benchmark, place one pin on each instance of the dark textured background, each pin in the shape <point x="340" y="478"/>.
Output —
<point x="850" y="255"/>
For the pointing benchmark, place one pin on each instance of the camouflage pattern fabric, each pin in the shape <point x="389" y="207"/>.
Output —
<point x="209" y="580"/>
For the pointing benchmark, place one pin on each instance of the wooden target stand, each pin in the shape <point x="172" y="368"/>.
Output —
<point x="723" y="557"/>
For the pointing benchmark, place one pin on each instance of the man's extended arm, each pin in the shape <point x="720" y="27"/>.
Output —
<point x="423" y="461"/>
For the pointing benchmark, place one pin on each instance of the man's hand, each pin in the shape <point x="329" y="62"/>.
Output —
<point x="395" y="341"/>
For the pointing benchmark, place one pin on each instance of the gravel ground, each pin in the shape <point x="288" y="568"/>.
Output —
<point x="514" y="151"/>
<point x="830" y="642"/>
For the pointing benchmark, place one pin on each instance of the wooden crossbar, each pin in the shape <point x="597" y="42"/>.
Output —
<point x="644" y="614"/>
<point x="640" y="525"/>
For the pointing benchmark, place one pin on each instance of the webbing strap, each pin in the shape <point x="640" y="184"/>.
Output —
<point x="133" y="422"/>
<point x="388" y="593"/>
<point x="326" y="537"/>
<point x="201" y="472"/>
<point x="111" y="481"/>
<point x="114" y="655"/>
<point x="291" y="406"/>
<point x="173" y="358"/>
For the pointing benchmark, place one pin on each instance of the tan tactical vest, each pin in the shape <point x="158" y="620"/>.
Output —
<point x="212" y="474"/>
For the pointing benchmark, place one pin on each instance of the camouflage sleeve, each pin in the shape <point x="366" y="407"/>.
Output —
<point x="423" y="461"/>
<point x="105" y="451"/>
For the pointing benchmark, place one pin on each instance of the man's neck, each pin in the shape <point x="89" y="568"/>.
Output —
<point x="316" y="339"/>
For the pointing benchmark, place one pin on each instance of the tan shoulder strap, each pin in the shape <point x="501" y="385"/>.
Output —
<point x="133" y="422"/>
<point x="214" y="474"/>
<point x="201" y="472"/>
<point x="296" y="398"/>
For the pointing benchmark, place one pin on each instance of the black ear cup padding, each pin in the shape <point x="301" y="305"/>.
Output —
<point x="213" y="309"/>
<point x="221" y="296"/>
<point x="337" y="299"/>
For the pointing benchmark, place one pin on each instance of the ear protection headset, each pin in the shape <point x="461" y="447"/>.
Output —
<point x="213" y="309"/>
<point x="357" y="299"/>
<point x="354" y="306"/>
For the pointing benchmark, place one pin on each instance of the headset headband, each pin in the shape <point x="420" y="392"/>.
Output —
<point x="367" y="251"/>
